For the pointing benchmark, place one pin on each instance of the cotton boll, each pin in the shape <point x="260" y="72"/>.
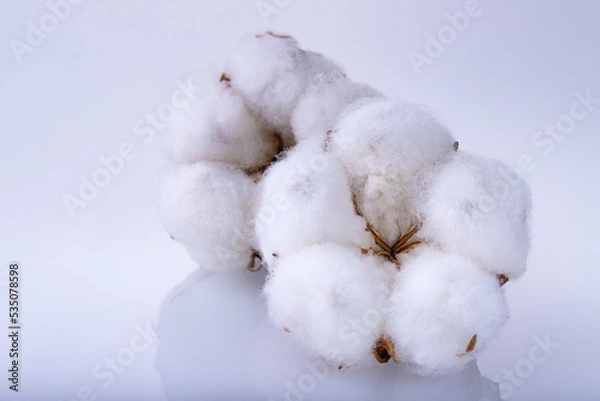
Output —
<point x="208" y="207"/>
<point x="305" y="200"/>
<point x="439" y="303"/>
<point x="330" y="298"/>
<point x="479" y="208"/>
<point x="320" y="106"/>
<point x="217" y="126"/>
<point x="271" y="72"/>
<point x="383" y="145"/>
<point x="384" y="137"/>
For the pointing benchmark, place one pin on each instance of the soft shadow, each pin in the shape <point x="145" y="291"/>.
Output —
<point x="217" y="343"/>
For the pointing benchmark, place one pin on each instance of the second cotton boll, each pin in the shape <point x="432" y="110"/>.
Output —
<point x="383" y="145"/>
<point x="319" y="295"/>
<point x="479" y="208"/>
<point x="305" y="200"/>
<point x="325" y="98"/>
<point x="217" y="126"/>
<point x="271" y="72"/>
<point x="209" y="207"/>
<point x="442" y="311"/>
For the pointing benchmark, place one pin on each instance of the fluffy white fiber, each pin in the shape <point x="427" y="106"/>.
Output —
<point x="208" y="207"/>
<point x="385" y="137"/>
<point x="321" y="104"/>
<point x="356" y="173"/>
<point x="305" y="200"/>
<point x="271" y="72"/>
<point x="383" y="145"/>
<point x="217" y="126"/>
<point x="479" y="208"/>
<point x="439" y="303"/>
<point x="330" y="299"/>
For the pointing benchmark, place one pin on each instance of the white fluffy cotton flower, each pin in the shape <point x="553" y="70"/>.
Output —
<point x="383" y="145"/>
<point x="271" y="71"/>
<point x="305" y="200"/>
<point x="479" y="208"/>
<point x="208" y="207"/>
<point x="283" y="154"/>
<point x="321" y="104"/>
<point x="443" y="309"/>
<point x="218" y="126"/>
<point x="331" y="299"/>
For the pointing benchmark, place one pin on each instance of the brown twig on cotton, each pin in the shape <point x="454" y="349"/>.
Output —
<point x="502" y="279"/>
<point x="470" y="346"/>
<point x="384" y="350"/>
<point x="252" y="262"/>
<point x="271" y="33"/>
<point x="224" y="78"/>
<point x="389" y="252"/>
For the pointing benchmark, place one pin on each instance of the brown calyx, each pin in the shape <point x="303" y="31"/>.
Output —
<point x="402" y="244"/>
<point x="384" y="350"/>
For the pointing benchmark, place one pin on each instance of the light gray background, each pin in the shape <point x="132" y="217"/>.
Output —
<point x="87" y="281"/>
